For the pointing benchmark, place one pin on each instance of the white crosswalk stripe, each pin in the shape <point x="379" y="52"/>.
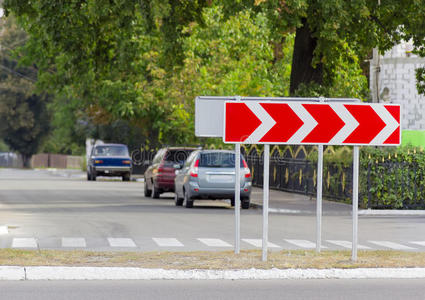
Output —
<point x="347" y="244"/>
<point x="214" y="243"/>
<point x="259" y="243"/>
<point x="3" y="230"/>
<point x="24" y="243"/>
<point x="420" y="243"/>
<point x="74" y="243"/>
<point x="121" y="242"/>
<point x="392" y="245"/>
<point x="303" y="244"/>
<point x="167" y="242"/>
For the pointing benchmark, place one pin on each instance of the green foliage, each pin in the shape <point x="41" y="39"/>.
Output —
<point x="393" y="177"/>
<point x="24" y="119"/>
<point x="142" y="63"/>
<point x="3" y="147"/>
<point x="227" y="57"/>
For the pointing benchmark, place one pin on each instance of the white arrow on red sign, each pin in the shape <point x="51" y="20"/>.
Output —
<point x="257" y="122"/>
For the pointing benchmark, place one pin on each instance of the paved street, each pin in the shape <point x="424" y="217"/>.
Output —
<point x="241" y="289"/>
<point x="41" y="209"/>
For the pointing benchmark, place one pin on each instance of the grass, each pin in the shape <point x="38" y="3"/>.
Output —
<point x="213" y="260"/>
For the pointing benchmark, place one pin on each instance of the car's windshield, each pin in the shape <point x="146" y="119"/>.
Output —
<point x="218" y="160"/>
<point x="111" y="151"/>
<point x="176" y="156"/>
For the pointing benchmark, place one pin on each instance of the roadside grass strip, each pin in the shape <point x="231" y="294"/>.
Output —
<point x="219" y="260"/>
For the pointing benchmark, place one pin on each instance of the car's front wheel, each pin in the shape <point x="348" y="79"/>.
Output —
<point x="155" y="192"/>
<point x="93" y="175"/>
<point x="177" y="200"/>
<point x="188" y="201"/>
<point x="245" y="203"/>
<point x="126" y="177"/>
<point x="147" y="191"/>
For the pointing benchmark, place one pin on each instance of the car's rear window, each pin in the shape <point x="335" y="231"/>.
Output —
<point x="111" y="151"/>
<point x="177" y="156"/>
<point x="218" y="160"/>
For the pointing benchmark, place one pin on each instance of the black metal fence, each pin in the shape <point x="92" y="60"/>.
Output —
<point x="298" y="175"/>
<point x="382" y="184"/>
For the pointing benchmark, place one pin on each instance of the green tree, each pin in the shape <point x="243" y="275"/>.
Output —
<point x="24" y="119"/>
<point x="324" y="29"/>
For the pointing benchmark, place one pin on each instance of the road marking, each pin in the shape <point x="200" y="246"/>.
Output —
<point x="420" y="243"/>
<point x="259" y="243"/>
<point x="347" y="244"/>
<point x="74" y="242"/>
<point x="3" y="230"/>
<point x="215" y="243"/>
<point x="24" y="243"/>
<point x="392" y="245"/>
<point x="303" y="244"/>
<point x="121" y="242"/>
<point x="167" y="242"/>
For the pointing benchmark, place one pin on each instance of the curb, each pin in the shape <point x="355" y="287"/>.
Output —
<point x="117" y="273"/>
<point x="361" y="212"/>
<point x="391" y="212"/>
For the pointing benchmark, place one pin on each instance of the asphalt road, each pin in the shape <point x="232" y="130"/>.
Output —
<point x="48" y="211"/>
<point x="253" y="289"/>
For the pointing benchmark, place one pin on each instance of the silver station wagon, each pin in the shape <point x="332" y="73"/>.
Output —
<point x="210" y="174"/>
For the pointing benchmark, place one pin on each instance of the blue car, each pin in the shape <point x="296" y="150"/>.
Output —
<point x="109" y="160"/>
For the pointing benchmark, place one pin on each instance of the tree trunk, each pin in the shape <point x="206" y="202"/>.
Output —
<point x="302" y="70"/>
<point x="26" y="161"/>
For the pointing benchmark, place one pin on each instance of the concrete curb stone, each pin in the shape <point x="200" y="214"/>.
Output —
<point x="118" y="273"/>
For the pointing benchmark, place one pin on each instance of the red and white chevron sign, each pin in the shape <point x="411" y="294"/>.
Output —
<point x="258" y="122"/>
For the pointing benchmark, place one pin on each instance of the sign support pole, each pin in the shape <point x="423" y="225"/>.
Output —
<point x="319" y="199"/>
<point x="355" y="201"/>
<point x="237" y="194"/>
<point x="237" y="198"/>
<point x="266" y="200"/>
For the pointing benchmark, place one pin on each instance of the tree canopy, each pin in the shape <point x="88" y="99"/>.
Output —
<point x="143" y="62"/>
<point x="24" y="118"/>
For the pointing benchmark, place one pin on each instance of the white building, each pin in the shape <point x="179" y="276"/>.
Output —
<point x="393" y="80"/>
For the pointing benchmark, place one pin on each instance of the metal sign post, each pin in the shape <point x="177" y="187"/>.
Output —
<point x="266" y="154"/>
<point x="297" y="121"/>
<point x="238" y="194"/>
<point x="319" y="199"/>
<point x="237" y="198"/>
<point x="355" y="201"/>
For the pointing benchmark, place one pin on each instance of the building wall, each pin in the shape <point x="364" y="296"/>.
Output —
<point x="397" y="84"/>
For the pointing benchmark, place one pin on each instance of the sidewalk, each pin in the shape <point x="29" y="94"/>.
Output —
<point x="291" y="203"/>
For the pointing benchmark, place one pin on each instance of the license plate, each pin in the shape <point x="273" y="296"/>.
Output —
<point x="221" y="178"/>
<point x="106" y="171"/>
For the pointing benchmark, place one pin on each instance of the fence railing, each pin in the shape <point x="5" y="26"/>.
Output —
<point x="382" y="184"/>
<point x="10" y="160"/>
<point x="299" y="176"/>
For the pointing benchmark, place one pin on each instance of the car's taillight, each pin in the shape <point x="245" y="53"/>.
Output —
<point x="194" y="171"/>
<point x="246" y="169"/>
<point x="98" y="161"/>
<point x="161" y="168"/>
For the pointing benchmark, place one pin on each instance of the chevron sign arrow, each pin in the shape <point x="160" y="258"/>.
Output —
<point x="259" y="122"/>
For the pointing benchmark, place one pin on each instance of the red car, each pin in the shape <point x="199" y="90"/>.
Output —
<point x="159" y="177"/>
